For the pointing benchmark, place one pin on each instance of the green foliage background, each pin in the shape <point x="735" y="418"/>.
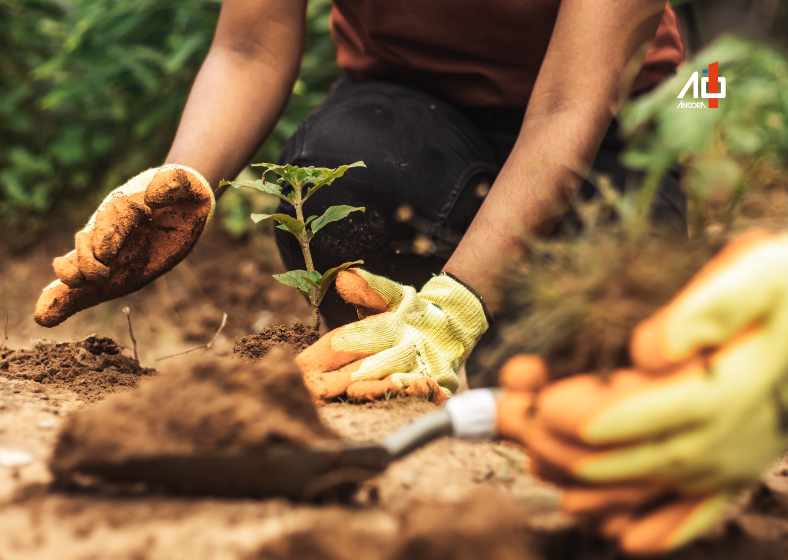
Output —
<point x="726" y="151"/>
<point x="91" y="92"/>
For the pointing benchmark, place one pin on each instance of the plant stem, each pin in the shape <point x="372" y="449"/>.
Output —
<point x="303" y="241"/>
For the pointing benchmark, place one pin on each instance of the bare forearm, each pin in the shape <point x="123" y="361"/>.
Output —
<point x="233" y="106"/>
<point x="240" y="91"/>
<point x="530" y="194"/>
<point x="583" y="79"/>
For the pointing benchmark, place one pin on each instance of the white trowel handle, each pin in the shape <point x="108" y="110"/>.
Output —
<point x="469" y="415"/>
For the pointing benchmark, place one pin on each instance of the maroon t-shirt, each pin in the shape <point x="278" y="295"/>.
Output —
<point x="474" y="52"/>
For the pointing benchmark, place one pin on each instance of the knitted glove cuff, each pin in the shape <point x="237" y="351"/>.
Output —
<point x="487" y="313"/>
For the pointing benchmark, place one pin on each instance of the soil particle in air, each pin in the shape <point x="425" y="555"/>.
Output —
<point x="295" y="337"/>
<point x="92" y="368"/>
<point x="198" y="405"/>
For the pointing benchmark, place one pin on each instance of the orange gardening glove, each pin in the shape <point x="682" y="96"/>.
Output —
<point x="140" y="231"/>
<point x="406" y="342"/>
<point x="655" y="452"/>
<point x="642" y="515"/>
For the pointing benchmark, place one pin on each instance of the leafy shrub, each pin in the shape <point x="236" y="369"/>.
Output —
<point x="576" y="300"/>
<point x="723" y="151"/>
<point x="91" y="92"/>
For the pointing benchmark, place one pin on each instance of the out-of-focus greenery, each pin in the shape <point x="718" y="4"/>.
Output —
<point x="722" y="150"/>
<point x="91" y="92"/>
<point x="576" y="299"/>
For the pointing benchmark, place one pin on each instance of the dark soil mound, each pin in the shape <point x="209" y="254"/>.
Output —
<point x="486" y="525"/>
<point x="296" y="338"/>
<point x="200" y="405"/>
<point x="92" y="368"/>
<point x="491" y="526"/>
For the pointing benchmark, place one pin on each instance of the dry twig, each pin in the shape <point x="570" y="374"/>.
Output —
<point x="127" y="311"/>
<point x="204" y="347"/>
<point x="5" y="337"/>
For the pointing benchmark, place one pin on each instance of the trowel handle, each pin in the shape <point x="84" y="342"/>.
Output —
<point x="469" y="415"/>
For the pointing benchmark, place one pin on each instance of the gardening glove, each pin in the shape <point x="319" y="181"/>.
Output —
<point x="140" y="231"/>
<point x="641" y="515"/>
<point x="703" y="414"/>
<point x="405" y="341"/>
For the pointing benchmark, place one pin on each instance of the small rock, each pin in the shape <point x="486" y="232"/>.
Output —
<point x="14" y="458"/>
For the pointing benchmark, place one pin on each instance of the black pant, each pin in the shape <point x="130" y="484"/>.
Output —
<point x="428" y="162"/>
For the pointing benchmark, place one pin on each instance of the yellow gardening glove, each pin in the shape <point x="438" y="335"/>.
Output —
<point x="406" y="341"/>
<point x="642" y="515"/>
<point x="703" y="414"/>
<point x="140" y="231"/>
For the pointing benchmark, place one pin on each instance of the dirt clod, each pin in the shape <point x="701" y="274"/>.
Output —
<point x="486" y="524"/>
<point x="200" y="405"/>
<point x="295" y="337"/>
<point x="92" y="368"/>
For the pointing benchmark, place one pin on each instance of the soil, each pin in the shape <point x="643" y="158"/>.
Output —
<point x="483" y="525"/>
<point x="449" y="499"/>
<point x="199" y="405"/>
<point x="295" y="337"/>
<point x="92" y="368"/>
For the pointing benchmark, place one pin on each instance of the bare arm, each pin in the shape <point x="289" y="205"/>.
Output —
<point x="581" y="84"/>
<point x="243" y="86"/>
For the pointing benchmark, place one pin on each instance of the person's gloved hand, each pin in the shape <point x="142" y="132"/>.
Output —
<point x="644" y="516"/>
<point x="405" y="341"/>
<point x="703" y="414"/>
<point x="140" y="231"/>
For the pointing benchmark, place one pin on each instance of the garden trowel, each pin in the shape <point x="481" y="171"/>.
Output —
<point x="329" y="469"/>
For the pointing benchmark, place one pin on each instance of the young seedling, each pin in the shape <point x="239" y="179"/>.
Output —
<point x="309" y="282"/>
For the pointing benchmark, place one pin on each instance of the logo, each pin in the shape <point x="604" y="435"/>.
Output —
<point x="712" y="87"/>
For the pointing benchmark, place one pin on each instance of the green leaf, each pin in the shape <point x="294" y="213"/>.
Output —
<point x="293" y="174"/>
<point x="258" y="185"/>
<point x="333" y="214"/>
<point x="297" y="279"/>
<point x="330" y="276"/>
<point x="297" y="177"/>
<point x="293" y="225"/>
<point x="322" y="176"/>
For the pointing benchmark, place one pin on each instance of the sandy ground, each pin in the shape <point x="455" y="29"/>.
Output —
<point x="184" y="309"/>
<point x="38" y="523"/>
<point x="175" y="313"/>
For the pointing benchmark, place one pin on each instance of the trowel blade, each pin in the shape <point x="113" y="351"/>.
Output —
<point x="329" y="468"/>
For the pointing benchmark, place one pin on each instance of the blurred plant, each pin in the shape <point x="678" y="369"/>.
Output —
<point x="309" y="282"/>
<point x="723" y="151"/>
<point x="576" y="300"/>
<point x="91" y="92"/>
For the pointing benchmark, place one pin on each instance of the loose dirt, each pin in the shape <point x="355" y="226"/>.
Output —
<point x="483" y="525"/>
<point x="448" y="500"/>
<point x="92" y="368"/>
<point x="199" y="405"/>
<point x="295" y="337"/>
<point x="439" y="502"/>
